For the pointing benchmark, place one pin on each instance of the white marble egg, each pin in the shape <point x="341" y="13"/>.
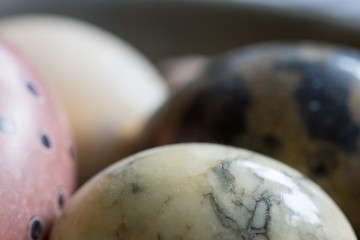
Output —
<point x="201" y="191"/>
<point x="108" y="88"/>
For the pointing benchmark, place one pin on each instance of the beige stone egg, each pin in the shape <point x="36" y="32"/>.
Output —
<point x="201" y="191"/>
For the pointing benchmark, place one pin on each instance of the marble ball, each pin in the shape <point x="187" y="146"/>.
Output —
<point x="201" y="191"/>
<point x="296" y="102"/>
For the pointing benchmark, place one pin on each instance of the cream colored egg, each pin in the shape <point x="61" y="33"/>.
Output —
<point x="201" y="191"/>
<point x="108" y="88"/>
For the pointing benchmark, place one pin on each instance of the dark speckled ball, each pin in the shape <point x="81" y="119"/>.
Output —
<point x="298" y="103"/>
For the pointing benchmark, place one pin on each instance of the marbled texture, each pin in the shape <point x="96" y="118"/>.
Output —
<point x="298" y="103"/>
<point x="201" y="191"/>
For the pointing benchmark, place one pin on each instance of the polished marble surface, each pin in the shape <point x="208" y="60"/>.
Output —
<point x="201" y="191"/>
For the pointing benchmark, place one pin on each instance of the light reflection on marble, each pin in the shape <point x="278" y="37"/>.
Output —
<point x="294" y="198"/>
<point x="348" y="64"/>
<point x="201" y="191"/>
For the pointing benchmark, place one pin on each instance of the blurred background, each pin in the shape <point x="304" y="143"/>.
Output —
<point x="165" y="28"/>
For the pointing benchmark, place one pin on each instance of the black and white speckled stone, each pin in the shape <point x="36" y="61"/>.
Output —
<point x="298" y="103"/>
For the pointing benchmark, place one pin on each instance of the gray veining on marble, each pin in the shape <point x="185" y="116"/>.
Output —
<point x="201" y="191"/>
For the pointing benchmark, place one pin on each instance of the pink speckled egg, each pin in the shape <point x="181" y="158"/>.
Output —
<point x="37" y="163"/>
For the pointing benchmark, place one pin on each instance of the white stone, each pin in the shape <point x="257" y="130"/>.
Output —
<point x="201" y="191"/>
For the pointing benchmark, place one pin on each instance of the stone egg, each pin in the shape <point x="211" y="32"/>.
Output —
<point x="37" y="165"/>
<point x="201" y="191"/>
<point x="109" y="89"/>
<point x="296" y="102"/>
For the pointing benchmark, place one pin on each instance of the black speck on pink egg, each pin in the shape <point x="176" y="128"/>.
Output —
<point x="61" y="198"/>
<point x="31" y="88"/>
<point x="45" y="140"/>
<point x="298" y="103"/>
<point x="35" y="228"/>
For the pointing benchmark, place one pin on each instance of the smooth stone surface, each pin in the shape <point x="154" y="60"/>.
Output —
<point x="108" y="88"/>
<point x="201" y="191"/>
<point x="298" y="103"/>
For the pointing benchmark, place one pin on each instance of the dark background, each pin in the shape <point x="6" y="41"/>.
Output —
<point x="167" y="28"/>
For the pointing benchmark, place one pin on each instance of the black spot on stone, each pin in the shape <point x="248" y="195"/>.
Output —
<point x="322" y="162"/>
<point x="135" y="188"/>
<point x="7" y="126"/>
<point x="45" y="140"/>
<point x="216" y="112"/>
<point x="61" y="198"/>
<point x="31" y="88"/>
<point x="35" y="228"/>
<point x="320" y="170"/>
<point x="322" y="98"/>
<point x="271" y="142"/>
